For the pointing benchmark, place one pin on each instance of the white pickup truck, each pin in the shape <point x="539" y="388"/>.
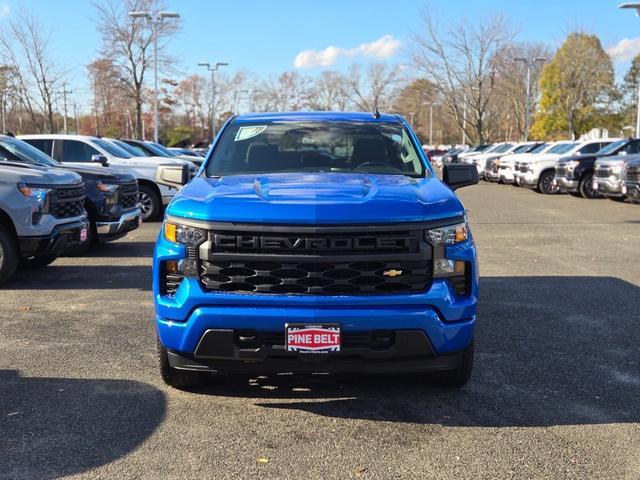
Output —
<point x="538" y="171"/>
<point x="88" y="150"/>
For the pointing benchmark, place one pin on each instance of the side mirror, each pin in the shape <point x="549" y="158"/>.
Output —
<point x="458" y="175"/>
<point x="175" y="176"/>
<point x="100" y="159"/>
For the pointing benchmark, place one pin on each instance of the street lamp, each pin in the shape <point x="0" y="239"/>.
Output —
<point x="213" y="68"/>
<point x="155" y="20"/>
<point x="635" y="6"/>
<point x="529" y="63"/>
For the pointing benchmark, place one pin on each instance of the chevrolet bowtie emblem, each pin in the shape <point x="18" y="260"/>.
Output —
<point x="392" y="273"/>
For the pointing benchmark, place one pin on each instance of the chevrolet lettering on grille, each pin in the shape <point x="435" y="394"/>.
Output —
<point x="311" y="243"/>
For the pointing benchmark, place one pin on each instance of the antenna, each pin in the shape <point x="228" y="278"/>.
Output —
<point x="376" y="113"/>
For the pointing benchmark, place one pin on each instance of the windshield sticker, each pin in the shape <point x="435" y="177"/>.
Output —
<point x="249" y="132"/>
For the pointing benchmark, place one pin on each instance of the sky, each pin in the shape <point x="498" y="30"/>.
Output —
<point x="271" y="36"/>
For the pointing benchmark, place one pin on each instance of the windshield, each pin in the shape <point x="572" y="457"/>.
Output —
<point x="163" y="149"/>
<point x="503" y="148"/>
<point x="539" y="148"/>
<point x="271" y="147"/>
<point x="125" y="146"/>
<point x="112" y="149"/>
<point x="563" y="147"/>
<point x="13" y="149"/>
<point x="522" y="148"/>
<point x="612" y="147"/>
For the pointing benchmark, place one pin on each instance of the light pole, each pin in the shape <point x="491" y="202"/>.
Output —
<point x="155" y="20"/>
<point x="64" y="94"/>
<point x="635" y="6"/>
<point x="529" y="63"/>
<point x="213" y="69"/>
<point x="430" y="105"/>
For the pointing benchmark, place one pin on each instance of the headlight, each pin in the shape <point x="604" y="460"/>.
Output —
<point x="184" y="234"/>
<point x="572" y="164"/>
<point x="106" y="187"/>
<point x="448" y="235"/>
<point x="39" y="195"/>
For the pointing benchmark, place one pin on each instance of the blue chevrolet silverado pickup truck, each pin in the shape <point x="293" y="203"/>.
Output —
<point x="316" y="242"/>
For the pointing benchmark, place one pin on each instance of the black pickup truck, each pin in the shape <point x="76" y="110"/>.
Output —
<point x="575" y="174"/>
<point x="111" y="197"/>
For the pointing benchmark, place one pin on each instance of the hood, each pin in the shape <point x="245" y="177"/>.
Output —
<point x="318" y="198"/>
<point x="617" y="159"/>
<point x="541" y="157"/>
<point x="103" y="173"/>
<point x="153" y="161"/>
<point x="38" y="175"/>
<point x="515" y="157"/>
<point x="579" y="158"/>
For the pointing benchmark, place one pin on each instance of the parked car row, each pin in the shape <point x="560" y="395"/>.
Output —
<point x="590" y="168"/>
<point x="60" y="194"/>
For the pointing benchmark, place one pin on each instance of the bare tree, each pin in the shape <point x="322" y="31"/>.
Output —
<point x="26" y="48"/>
<point x="127" y="42"/>
<point x="458" y="62"/>
<point x="512" y="79"/>
<point x="373" y="89"/>
<point x="330" y="92"/>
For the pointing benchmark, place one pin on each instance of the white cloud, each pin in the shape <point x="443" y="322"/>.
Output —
<point x="382" y="48"/>
<point x="625" y="49"/>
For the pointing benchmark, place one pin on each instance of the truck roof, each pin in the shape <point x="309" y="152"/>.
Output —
<point x="318" y="117"/>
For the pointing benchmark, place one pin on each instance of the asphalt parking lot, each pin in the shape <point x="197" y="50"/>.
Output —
<point x="555" y="393"/>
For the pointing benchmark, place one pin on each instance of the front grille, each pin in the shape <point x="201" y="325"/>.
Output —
<point x="318" y="261"/>
<point x="521" y="167"/>
<point x="561" y="171"/>
<point x="316" y="278"/>
<point x="633" y="174"/>
<point x="67" y="202"/>
<point x="603" y="172"/>
<point x="129" y="195"/>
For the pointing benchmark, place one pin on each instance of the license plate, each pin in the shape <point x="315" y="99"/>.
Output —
<point x="595" y="185"/>
<point x="624" y="189"/>
<point x="554" y="182"/>
<point x="313" y="338"/>
<point x="140" y="220"/>
<point x="83" y="234"/>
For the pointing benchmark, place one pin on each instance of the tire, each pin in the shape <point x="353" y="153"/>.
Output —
<point x="8" y="254"/>
<point x="457" y="377"/>
<point x="150" y="203"/>
<point x="545" y="183"/>
<point x="586" y="187"/>
<point x="41" y="261"/>
<point x="181" y="379"/>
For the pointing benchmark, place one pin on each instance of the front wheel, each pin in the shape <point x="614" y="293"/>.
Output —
<point x="150" y="203"/>
<point x="38" y="262"/>
<point x="586" y="187"/>
<point x="8" y="254"/>
<point x="545" y="184"/>
<point x="457" y="377"/>
<point x="181" y="379"/>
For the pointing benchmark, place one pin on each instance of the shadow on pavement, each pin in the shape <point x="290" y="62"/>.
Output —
<point x="120" y="249"/>
<point x="82" y="277"/>
<point x="53" y="427"/>
<point x="549" y="351"/>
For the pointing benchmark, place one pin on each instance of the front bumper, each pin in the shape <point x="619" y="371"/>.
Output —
<point x="228" y="350"/>
<point x="567" y="185"/>
<point x="505" y="175"/>
<point x="445" y="319"/>
<point x="491" y="175"/>
<point x="62" y="239"/>
<point x="529" y="180"/>
<point x="108" y="231"/>
<point x="608" y="186"/>
<point x="631" y="190"/>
